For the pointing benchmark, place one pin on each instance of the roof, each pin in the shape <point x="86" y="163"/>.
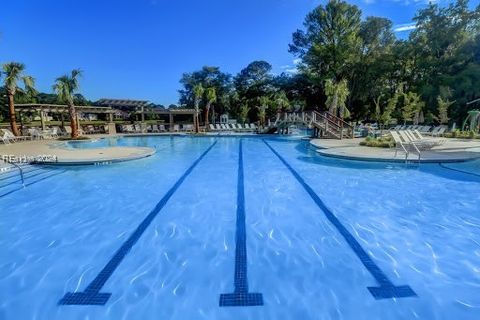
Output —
<point x="127" y="103"/>
<point x="61" y="108"/>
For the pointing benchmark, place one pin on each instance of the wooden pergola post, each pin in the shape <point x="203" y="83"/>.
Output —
<point x="170" y="118"/>
<point x="42" y="119"/>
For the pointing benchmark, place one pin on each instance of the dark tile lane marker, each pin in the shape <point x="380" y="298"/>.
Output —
<point x="386" y="288"/>
<point x="92" y="295"/>
<point x="240" y="296"/>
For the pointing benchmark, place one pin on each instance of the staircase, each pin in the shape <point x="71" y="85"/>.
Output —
<point x="17" y="177"/>
<point x="325" y="124"/>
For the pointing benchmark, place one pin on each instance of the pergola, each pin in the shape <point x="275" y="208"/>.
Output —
<point x="142" y="107"/>
<point x="170" y="112"/>
<point x="106" y="106"/>
<point x="44" y="108"/>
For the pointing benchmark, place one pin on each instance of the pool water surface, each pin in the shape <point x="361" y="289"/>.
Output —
<point x="242" y="228"/>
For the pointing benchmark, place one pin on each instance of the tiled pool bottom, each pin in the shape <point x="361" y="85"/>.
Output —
<point x="267" y="225"/>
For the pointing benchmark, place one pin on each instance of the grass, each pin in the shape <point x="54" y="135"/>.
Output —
<point x="382" y="142"/>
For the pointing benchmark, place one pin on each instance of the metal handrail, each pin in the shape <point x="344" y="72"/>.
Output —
<point x="19" y="169"/>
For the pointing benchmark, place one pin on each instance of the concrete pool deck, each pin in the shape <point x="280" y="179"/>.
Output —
<point x="66" y="156"/>
<point x="454" y="150"/>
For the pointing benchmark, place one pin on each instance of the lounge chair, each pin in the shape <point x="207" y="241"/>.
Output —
<point x="4" y="138"/>
<point x="224" y="126"/>
<point x="15" y="138"/>
<point x="212" y="127"/>
<point x="218" y="127"/>
<point x="161" y="128"/>
<point x="129" y="128"/>
<point x="425" y="129"/>
<point x="439" y="132"/>
<point x="419" y="144"/>
<point x="176" y="127"/>
<point x="253" y="126"/>
<point x="403" y="144"/>
<point x="36" y="134"/>
<point x="436" y="142"/>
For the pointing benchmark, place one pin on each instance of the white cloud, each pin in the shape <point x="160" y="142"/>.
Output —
<point x="405" y="27"/>
<point x="291" y="68"/>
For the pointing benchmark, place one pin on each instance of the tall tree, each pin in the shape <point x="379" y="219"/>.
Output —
<point x="412" y="104"/>
<point x="211" y="96"/>
<point x="208" y="77"/>
<point x="337" y="94"/>
<point x="65" y="88"/>
<point x="444" y="104"/>
<point x="244" y="110"/>
<point x="330" y="43"/>
<point x="13" y="73"/>
<point x="198" y="91"/>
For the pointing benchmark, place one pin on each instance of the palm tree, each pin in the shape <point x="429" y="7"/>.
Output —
<point x="282" y="102"/>
<point x="211" y="94"/>
<point x="262" y="109"/>
<point x="337" y="94"/>
<point x="65" y="87"/>
<point x="198" y="93"/>
<point x="13" y="72"/>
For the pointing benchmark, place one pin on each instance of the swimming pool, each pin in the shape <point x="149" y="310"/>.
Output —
<point x="267" y="224"/>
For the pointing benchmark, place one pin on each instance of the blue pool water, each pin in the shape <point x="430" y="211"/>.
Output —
<point x="265" y="223"/>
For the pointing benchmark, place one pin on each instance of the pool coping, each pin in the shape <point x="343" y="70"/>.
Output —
<point x="332" y="152"/>
<point x="147" y="152"/>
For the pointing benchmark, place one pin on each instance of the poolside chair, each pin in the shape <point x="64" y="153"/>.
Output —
<point x="419" y="144"/>
<point x="68" y="130"/>
<point x="161" y="128"/>
<point x="436" y="142"/>
<point x="90" y="129"/>
<point x="4" y="138"/>
<point x="55" y="132"/>
<point x="176" y="127"/>
<point x="403" y="144"/>
<point x="224" y="126"/>
<point x="35" y="134"/>
<point x="399" y="144"/>
<point x="212" y="127"/>
<point x="218" y="127"/>
<point x="253" y="126"/>
<point x="9" y="134"/>
<point x="439" y="132"/>
<point x="129" y="128"/>
<point x="425" y="129"/>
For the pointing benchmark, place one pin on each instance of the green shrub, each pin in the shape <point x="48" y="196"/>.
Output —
<point x="381" y="142"/>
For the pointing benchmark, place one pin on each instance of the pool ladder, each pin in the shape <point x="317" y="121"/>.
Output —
<point x="20" y="170"/>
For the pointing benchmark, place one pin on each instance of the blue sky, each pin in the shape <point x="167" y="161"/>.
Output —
<point x="139" y="49"/>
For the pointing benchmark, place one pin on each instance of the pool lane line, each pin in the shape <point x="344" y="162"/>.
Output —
<point x="92" y="295"/>
<point x="386" y="288"/>
<point x="240" y="296"/>
<point x="458" y="170"/>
